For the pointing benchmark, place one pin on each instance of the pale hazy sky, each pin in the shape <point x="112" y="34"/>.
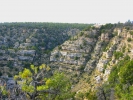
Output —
<point x="70" y="11"/>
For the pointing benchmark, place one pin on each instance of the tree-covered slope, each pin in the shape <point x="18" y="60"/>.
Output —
<point x="24" y="43"/>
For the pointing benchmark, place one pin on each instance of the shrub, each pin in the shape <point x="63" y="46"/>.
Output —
<point x="118" y="54"/>
<point x="129" y="39"/>
<point x="59" y="47"/>
<point x="115" y="34"/>
<point x="131" y="32"/>
<point x="0" y="73"/>
<point x="123" y="49"/>
<point x="84" y="42"/>
<point x="81" y="33"/>
<point x="76" y="58"/>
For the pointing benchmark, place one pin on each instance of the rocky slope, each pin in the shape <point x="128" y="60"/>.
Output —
<point x="89" y="56"/>
<point x="24" y="43"/>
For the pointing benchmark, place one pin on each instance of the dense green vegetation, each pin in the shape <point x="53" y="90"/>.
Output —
<point x="106" y="27"/>
<point x="47" y="25"/>
<point x="49" y="34"/>
<point x="121" y="80"/>
<point x="38" y="85"/>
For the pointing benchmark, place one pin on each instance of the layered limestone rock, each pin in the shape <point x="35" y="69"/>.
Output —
<point x="118" y="43"/>
<point x="76" y="51"/>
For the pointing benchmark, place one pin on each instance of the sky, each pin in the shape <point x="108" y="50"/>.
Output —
<point x="66" y="11"/>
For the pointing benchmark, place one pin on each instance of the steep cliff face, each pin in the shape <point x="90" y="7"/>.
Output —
<point x="119" y="44"/>
<point x="74" y="51"/>
<point x="72" y="56"/>
<point x="89" y="56"/>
